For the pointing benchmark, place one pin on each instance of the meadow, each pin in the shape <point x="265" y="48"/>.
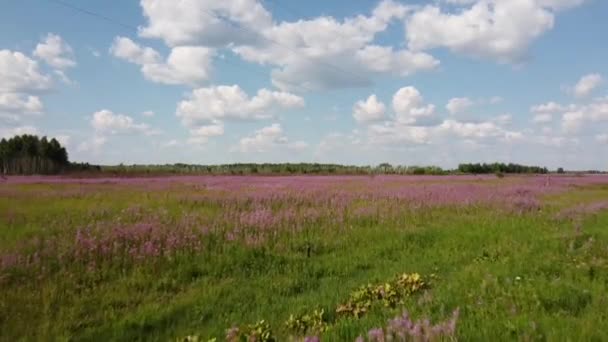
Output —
<point x="291" y="258"/>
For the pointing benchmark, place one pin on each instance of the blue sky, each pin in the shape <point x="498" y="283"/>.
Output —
<point x="406" y="82"/>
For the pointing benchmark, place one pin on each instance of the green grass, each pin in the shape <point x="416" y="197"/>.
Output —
<point x="514" y="277"/>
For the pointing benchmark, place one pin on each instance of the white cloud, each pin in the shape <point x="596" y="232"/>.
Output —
<point x="263" y="139"/>
<point x="128" y="50"/>
<point x="578" y="117"/>
<point x="416" y="123"/>
<point x="495" y="100"/>
<point x="9" y="133"/>
<point x="384" y="59"/>
<point x="298" y="145"/>
<point x="475" y="130"/>
<point x="585" y="86"/>
<point x="20" y="103"/>
<point x="205" y="22"/>
<point x="211" y="104"/>
<point x="201" y="135"/>
<point x="318" y="53"/>
<point x="390" y="133"/>
<point x="107" y="122"/>
<point x="602" y="138"/>
<point x="19" y="78"/>
<point x="504" y="119"/>
<point x="544" y="112"/>
<point x="148" y="113"/>
<point x="268" y="139"/>
<point x="549" y="107"/>
<point x="92" y="145"/>
<point x="324" y="52"/>
<point x="542" y="118"/>
<point x="19" y="73"/>
<point x="185" y="64"/>
<point x="458" y="105"/>
<point x="63" y="139"/>
<point x="494" y="29"/>
<point x="410" y="109"/>
<point x="369" y="110"/>
<point x="55" y="52"/>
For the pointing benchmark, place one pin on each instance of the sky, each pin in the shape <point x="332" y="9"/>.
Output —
<point x="354" y="82"/>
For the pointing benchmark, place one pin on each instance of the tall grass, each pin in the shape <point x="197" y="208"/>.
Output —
<point x="521" y="258"/>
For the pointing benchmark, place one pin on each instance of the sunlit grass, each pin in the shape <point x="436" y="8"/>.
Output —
<point x="514" y="275"/>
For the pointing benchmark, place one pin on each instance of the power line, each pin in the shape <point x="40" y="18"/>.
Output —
<point x="231" y="23"/>
<point x="93" y="14"/>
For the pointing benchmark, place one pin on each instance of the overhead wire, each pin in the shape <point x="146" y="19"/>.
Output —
<point x="231" y="23"/>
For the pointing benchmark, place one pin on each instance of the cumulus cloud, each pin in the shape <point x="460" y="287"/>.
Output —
<point x="476" y="130"/>
<point x="55" y="52"/>
<point x="458" y="105"/>
<point x="493" y="29"/>
<point x="20" y="81"/>
<point x="574" y="120"/>
<point x="543" y="113"/>
<point x="416" y="123"/>
<point x="94" y="144"/>
<point x="63" y="139"/>
<point x="218" y="103"/>
<point x="410" y="108"/>
<point x="201" y="135"/>
<point x="586" y="85"/>
<point x="203" y="22"/>
<point x="542" y="118"/>
<point x="148" y="113"/>
<point x="324" y="52"/>
<point x="20" y="74"/>
<point x="267" y="139"/>
<point x="189" y="65"/>
<point x="263" y="139"/>
<point x="317" y="53"/>
<point x="20" y="130"/>
<point x="369" y="110"/>
<point x="107" y="122"/>
<point x="20" y="103"/>
<point x="393" y="132"/>
<point x="549" y="107"/>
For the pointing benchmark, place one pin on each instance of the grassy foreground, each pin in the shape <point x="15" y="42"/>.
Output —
<point x="106" y="261"/>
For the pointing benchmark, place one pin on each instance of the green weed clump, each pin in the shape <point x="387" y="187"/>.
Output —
<point x="302" y="324"/>
<point x="389" y="294"/>
<point x="258" y="332"/>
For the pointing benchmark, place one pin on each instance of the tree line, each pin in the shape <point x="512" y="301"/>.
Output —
<point x="484" y="168"/>
<point x="272" y="169"/>
<point x="29" y="154"/>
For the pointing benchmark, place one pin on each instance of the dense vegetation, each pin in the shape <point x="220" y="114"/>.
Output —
<point x="257" y="258"/>
<point x="316" y="168"/>
<point x="502" y="168"/>
<point x="273" y="169"/>
<point x="28" y="154"/>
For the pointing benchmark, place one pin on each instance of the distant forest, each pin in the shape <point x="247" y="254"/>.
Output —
<point x="29" y="154"/>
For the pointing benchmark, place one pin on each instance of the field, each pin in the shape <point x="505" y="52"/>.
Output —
<point x="335" y="258"/>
